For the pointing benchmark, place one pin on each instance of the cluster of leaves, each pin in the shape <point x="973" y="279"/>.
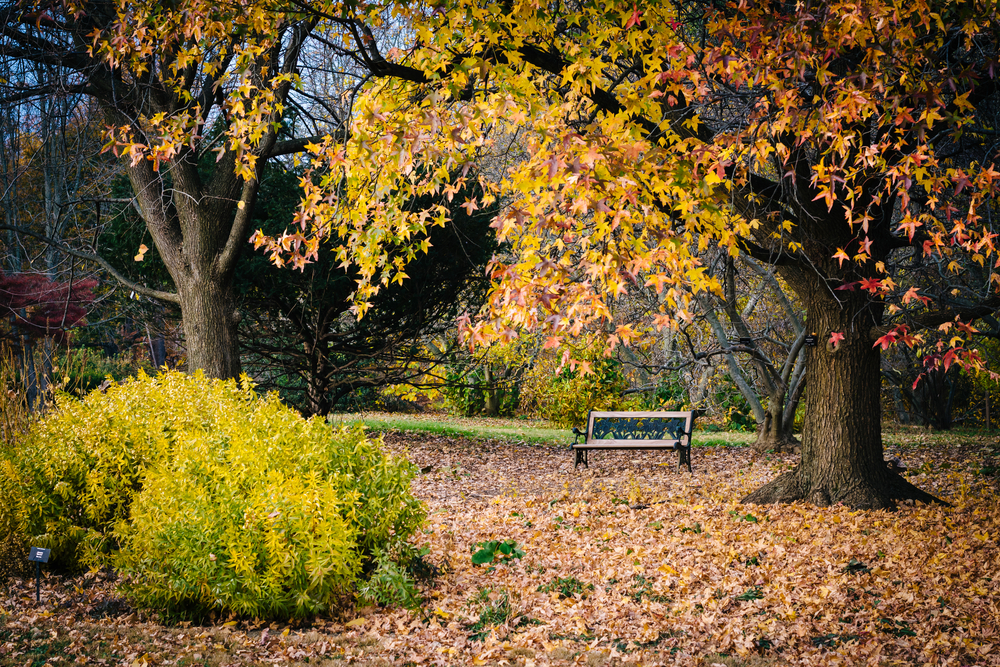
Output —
<point x="629" y="168"/>
<point x="496" y="551"/>
<point x="210" y="498"/>
<point x="199" y="34"/>
<point x="566" y="587"/>
<point x="15" y="419"/>
<point x="40" y="306"/>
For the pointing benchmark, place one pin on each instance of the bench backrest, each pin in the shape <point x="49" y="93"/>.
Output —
<point x="631" y="427"/>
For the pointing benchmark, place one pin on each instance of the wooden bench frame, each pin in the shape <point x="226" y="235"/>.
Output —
<point x="681" y="440"/>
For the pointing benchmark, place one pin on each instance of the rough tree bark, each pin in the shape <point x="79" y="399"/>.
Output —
<point x="842" y="455"/>
<point x="199" y="233"/>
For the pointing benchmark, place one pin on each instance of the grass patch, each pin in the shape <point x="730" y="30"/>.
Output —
<point x="913" y="437"/>
<point x="567" y="587"/>
<point x="494" y="609"/>
<point x="531" y="431"/>
<point x="39" y="653"/>
<point x="723" y="438"/>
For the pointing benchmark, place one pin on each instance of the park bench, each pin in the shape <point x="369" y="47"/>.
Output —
<point x="636" y="430"/>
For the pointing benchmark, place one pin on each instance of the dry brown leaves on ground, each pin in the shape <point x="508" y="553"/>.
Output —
<point x="627" y="562"/>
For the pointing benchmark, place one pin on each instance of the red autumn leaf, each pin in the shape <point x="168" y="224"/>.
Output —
<point x="635" y="18"/>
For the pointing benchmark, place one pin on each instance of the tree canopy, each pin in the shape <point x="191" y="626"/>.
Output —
<point x="808" y="137"/>
<point x="848" y="144"/>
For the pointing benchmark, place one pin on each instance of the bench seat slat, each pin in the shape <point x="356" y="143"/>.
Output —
<point x="628" y="444"/>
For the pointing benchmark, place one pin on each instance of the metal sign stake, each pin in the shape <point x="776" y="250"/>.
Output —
<point x="39" y="556"/>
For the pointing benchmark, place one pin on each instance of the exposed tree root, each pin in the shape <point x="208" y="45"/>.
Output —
<point x="879" y="493"/>
<point x="780" y="445"/>
<point x="904" y="490"/>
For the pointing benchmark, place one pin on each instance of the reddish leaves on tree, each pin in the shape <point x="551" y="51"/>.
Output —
<point x="40" y="307"/>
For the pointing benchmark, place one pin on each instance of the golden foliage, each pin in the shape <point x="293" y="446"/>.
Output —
<point x="210" y="497"/>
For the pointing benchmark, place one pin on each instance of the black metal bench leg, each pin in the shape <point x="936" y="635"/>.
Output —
<point x="580" y="457"/>
<point x="684" y="456"/>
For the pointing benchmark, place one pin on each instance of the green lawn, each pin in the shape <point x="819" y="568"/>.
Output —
<point x="541" y="432"/>
<point x="534" y="431"/>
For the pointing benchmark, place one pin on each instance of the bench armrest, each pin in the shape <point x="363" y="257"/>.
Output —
<point x="679" y="432"/>
<point x="577" y="432"/>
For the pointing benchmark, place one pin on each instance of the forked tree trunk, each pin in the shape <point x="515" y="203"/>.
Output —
<point x="199" y="239"/>
<point x="775" y="432"/>
<point x="842" y="457"/>
<point x="199" y="219"/>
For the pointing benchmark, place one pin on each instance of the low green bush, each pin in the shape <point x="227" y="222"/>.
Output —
<point x="501" y="551"/>
<point x="209" y="498"/>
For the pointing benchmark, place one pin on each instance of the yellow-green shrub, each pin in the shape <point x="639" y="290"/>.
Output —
<point x="77" y="469"/>
<point x="14" y="422"/>
<point x="565" y="396"/>
<point x="233" y="533"/>
<point x="219" y="499"/>
<point x="13" y="548"/>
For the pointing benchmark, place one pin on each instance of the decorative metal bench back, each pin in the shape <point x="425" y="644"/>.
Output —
<point x="638" y="426"/>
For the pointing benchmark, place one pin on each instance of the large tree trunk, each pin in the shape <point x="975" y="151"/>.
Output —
<point x="208" y="314"/>
<point x="199" y="233"/>
<point x="842" y="456"/>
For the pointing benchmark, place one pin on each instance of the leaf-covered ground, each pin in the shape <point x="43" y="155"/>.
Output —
<point x="628" y="562"/>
